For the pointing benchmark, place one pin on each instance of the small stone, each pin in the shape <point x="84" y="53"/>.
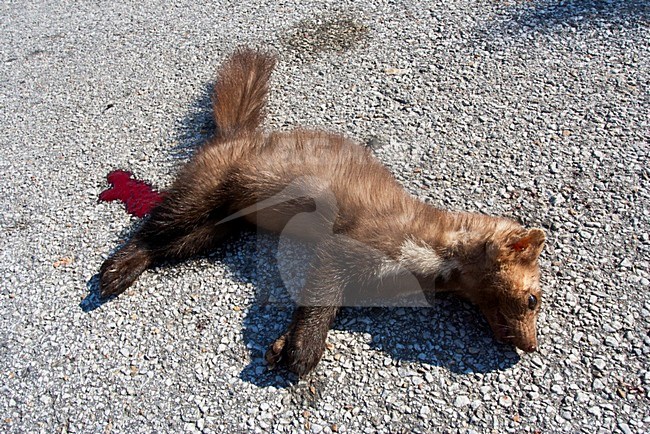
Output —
<point x="611" y="341"/>
<point x="600" y="364"/>
<point x="581" y="397"/>
<point x="461" y="401"/>
<point x="537" y="361"/>
<point x="396" y="71"/>
<point x="557" y="199"/>
<point x="626" y="263"/>
<point x="505" y="401"/>
<point x="557" y="389"/>
<point x="424" y="411"/>
<point x="533" y="396"/>
<point x="646" y="377"/>
<point x="595" y="410"/>
<point x="624" y="427"/>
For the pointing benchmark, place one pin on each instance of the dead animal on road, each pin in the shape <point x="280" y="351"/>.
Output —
<point x="370" y="237"/>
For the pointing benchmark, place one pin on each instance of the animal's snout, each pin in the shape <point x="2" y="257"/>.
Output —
<point x="530" y="348"/>
<point x="527" y="344"/>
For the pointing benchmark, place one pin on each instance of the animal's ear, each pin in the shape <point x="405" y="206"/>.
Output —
<point x="526" y="246"/>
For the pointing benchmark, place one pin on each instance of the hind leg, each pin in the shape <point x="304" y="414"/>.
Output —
<point x="160" y="238"/>
<point x="185" y="224"/>
<point x="147" y="248"/>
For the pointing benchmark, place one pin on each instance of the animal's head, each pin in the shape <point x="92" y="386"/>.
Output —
<point x="511" y="296"/>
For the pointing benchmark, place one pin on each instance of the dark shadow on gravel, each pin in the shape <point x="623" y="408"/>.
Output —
<point x="92" y="300"/>
<point x="451" y="334"/>
<point x="196" y="127"/>
<point x="548" y="15"/>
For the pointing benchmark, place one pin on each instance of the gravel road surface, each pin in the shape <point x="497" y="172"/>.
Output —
<point x="538" y="110"/>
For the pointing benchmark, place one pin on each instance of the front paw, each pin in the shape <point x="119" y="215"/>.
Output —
<point x="119" y="272"/>
<point x="300" y="352"/>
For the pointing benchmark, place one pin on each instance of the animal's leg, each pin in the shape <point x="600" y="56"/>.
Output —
<point x="301" y="347"/>
<point x="158" y="240"/>
<point x="186" y="223"/>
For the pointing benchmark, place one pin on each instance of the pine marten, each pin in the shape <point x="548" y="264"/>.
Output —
<point x="367" y="231"/>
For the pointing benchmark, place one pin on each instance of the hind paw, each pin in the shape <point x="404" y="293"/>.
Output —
<point x="119" y="272"/>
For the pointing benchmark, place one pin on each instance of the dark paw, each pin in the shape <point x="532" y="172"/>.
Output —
<point x="296" y="353"/>
<point x="119" y="272"/>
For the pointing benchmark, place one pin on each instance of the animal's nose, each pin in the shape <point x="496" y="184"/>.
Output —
<point x="531" y="348"/>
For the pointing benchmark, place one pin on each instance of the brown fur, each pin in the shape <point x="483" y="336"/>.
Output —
<point x="366" y="228"/>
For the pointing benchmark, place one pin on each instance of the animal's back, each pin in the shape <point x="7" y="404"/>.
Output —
<point x="313" y="171"/>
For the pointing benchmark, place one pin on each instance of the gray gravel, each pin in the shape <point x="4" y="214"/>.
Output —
<point x="533" y="109"/>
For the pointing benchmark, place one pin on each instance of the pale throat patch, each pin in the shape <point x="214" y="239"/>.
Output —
<point x="424" y="259"/>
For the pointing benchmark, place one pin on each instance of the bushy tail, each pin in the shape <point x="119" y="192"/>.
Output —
<point x="239" y="99"/>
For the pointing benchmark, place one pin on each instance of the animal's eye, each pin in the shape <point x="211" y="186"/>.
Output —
<point x="532" y="302"/>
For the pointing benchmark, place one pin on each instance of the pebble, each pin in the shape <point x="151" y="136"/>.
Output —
<point x="505" y="401"/>
<point x="581" y="397"/>
<point x="598" y="384"/>
<point x="626" y="263"/>
<point x="557" y="389"/>
<point x="600" y="364"/>
<point x="595" y="411"/>
<point x="625" y="428"/>
<point x="461" y="401"/>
